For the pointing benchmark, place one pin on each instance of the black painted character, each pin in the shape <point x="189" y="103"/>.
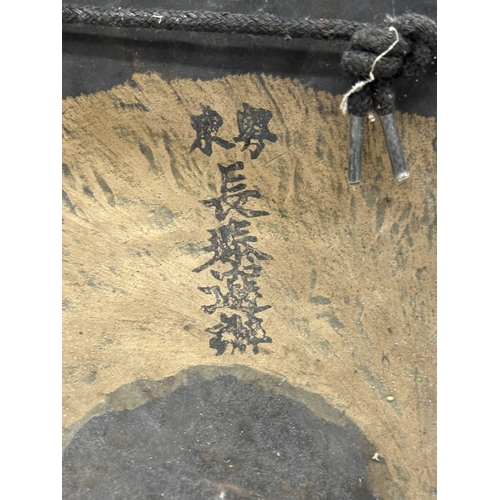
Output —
<point x="207" y="126"/>
<point x="232" y="330"/>
<point x="253" y="124"/>
<point x="242" y="294"/>
<point x="231" y="244"/>
<point x="233" y="197"/>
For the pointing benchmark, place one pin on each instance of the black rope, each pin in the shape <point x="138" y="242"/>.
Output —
<point x="414" y="52"/>
<point x="214" y="22"/>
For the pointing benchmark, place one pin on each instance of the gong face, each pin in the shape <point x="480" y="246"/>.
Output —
<point x="216" y="259"/>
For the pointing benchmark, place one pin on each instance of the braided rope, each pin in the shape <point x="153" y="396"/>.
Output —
<point x="214" y="22"/>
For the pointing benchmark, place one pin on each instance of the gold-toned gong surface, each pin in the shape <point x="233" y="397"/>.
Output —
<point x="351" y="282"/>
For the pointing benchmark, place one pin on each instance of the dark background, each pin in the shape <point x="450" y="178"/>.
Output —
<point x="98" y="58"/>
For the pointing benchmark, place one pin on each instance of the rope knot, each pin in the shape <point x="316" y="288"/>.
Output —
<point x="404" y="46"/>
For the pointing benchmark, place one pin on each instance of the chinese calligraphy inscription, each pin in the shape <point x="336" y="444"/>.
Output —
<point x="231" y="244"/>
<point x="253" y="124"/>
<point x="207" y="126"/>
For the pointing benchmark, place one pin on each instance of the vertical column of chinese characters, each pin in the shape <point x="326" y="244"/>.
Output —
<point x="231" y="242"/>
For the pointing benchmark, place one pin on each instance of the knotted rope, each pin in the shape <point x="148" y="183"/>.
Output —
<point x="408" y="44"/>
